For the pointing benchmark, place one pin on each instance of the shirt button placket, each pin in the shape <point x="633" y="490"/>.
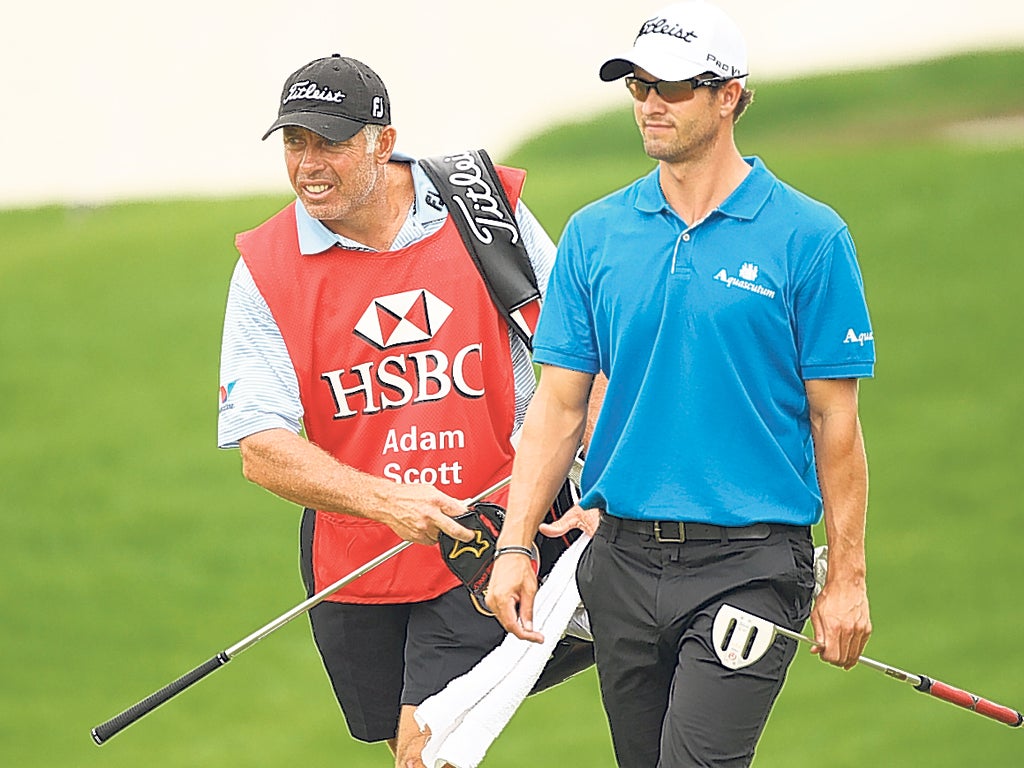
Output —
<point x="682" y="258"/>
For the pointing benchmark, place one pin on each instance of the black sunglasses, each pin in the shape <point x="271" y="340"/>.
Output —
<point x="673" y="90"/>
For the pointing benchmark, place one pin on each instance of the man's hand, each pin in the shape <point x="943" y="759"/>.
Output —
<point x="472" y="561"/>
<point x="577" y="517"/>
<point x="418" y="513"/>
<point x="510" y="595"/>
<point x="842" y="623"/>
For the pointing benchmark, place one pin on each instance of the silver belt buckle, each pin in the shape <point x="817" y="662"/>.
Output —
<point x="666" y="540"/>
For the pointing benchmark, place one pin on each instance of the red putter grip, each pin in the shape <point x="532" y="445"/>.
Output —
<point x="961" y="698"/>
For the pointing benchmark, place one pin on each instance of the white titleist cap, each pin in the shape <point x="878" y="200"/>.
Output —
<point x="681" y="41"/>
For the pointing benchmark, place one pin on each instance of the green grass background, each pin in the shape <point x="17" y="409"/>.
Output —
<point x="131" y="549"/>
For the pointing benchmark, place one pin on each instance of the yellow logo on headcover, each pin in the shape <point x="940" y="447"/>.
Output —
<point x="476" y="547"/>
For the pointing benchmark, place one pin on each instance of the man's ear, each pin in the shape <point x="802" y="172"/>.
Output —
<point x="385" y="144"/>
<point x="729" y="96"/>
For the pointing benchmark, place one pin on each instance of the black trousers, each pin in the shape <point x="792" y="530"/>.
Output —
<point x="670" y="702"/>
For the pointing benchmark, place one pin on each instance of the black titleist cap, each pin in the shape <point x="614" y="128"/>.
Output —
<point x="334" y="97"/>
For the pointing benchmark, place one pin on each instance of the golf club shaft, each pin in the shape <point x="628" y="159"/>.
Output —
<point x="893" y="672"/>
<point x="936" y="688"/>
<point x="103" y="732"/>
<point x="326" y="592"/>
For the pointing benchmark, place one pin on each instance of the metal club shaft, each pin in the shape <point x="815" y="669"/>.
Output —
<point x="103" y="732"/>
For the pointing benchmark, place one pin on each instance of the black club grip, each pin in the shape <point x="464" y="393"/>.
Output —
<point x="101" y="733"/>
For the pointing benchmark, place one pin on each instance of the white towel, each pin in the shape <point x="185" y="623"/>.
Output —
<point x="466" y="717"/>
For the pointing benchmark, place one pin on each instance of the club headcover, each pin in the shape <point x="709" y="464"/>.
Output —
<point x="473" y="561"/>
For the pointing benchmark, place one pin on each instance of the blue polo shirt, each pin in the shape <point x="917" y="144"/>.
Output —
<point x="707" y="332"/>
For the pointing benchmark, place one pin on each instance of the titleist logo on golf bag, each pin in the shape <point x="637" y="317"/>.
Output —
<point x="399" y="380"/>
<point x="661" y="26"/>
<point x="477" y="199"/>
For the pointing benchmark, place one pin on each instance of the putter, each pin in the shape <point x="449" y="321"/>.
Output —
<point x="101" y="733"/>
<point x="742" y="638"/>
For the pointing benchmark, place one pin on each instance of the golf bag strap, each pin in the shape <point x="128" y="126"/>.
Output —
<point x="469" y="185"/>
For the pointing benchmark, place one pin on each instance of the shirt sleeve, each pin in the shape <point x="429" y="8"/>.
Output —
<point x="565" y="333"/>
<point x="538" y="245"/>
<point x="542" y="256"/>
<point x="834" y="331"/>
<point x="259" y="389"/>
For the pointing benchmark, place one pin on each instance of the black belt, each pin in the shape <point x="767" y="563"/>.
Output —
<point x="675" y="532"/>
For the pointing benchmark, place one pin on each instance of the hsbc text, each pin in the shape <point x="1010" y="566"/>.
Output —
<point x="402" y="379"/>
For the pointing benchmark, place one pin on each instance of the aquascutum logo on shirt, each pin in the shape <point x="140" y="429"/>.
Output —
<point x="852" y="337"/>
<point x="746" y="280"/>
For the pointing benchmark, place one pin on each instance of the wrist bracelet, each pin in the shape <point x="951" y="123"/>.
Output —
<point x="515" y="549"/>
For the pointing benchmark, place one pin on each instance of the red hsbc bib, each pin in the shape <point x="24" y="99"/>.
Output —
<point x="404" y="372"/>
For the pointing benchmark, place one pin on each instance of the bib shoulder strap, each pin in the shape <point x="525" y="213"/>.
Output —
<point x="471" y="188"/>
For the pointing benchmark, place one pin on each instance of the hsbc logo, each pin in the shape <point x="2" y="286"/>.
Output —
<point x="402" y="318"/>
<point x="410" y="317"/>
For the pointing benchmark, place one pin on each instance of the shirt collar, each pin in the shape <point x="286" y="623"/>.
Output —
<point x="744" y="202"/>
<point x="314" y="237"/>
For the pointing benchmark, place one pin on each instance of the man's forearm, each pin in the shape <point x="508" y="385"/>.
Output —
<point x="841" y="614"/>
<point x="843" y="476"/>
<point x="554" y="426"/>
<point x="301" y="472"/>
<point x="597" y="393"/>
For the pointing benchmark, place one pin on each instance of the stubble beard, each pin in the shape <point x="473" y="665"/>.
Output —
<point x="689" y="142"/>
<point x="349" y="195"/>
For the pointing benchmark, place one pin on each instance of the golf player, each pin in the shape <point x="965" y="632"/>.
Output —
<point x="727" y="310"/>
<point x="356" y="315"/>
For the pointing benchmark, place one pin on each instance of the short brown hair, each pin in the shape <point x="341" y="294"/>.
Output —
<point x="745" y="100"/>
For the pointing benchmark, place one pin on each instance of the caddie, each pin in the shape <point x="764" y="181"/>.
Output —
<point x="367" y="376"/>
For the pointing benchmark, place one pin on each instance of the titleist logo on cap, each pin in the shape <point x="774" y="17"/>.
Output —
<point x="662" y="26"/>
<point x="307" y="89"/>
